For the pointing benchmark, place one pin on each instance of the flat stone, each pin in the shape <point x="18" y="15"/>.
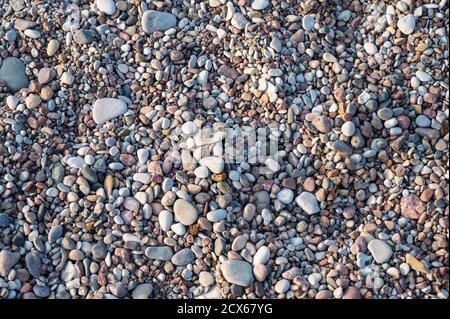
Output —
<point x="328" y="57"/>
<point x="99" y="251"/>
<point x="83" y="36"/>
<point x="407" y="24"/>
<point x="262" y="256"/>
<point x="22" y="24"/>
<point x="106" y="109"/>
<point x="185" y="212"/>
<point x="55" y="233"/>
<point x="409" y="205"/>
<point x="76" y="162"/>
<point x="217" y="215"/>
<point x="52" y="47"/>
<point x="157" y="21"/>
<point x="131" y="203"/>
<point x="4" y="220"/>
<point x="143" y="291"/>
<point x="286" y="196"/>
<point x="322" y="124"/>
<point x="341" y="147"/>
<point x="106" y="6"/>
<point x="206" y="279"/>
<point x="239" y="21"/>
<point x="118" y="289"/>
<point x="351" y="293"/>
<point x="423" y="121"/>
<point x="308" y="22"/>
<point x="33" y="263"/>
<point x="159" y="252"/>
<point x="370" y="48"/>
<point x="308" y="203"/>
<point x="380" y="250"/>
<point x="12" y="72"/>
<point x="228" y="72"/>
<point x="183" y="257"/>
<point x="239" y="242"/>
<point x="7" y="261"/>
<point x="237" y="272"/>
<point x="272" y="165"/>
<point x="215" y="164"/>
<point x="423" y="76"/>
<point x="260" y="4"/>
<point x="165" y="219"/>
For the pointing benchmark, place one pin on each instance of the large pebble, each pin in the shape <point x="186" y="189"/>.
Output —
<point x="12" y="72"/>
<point x="157" y="21"/>
<point x="185" y="212"/>
<point x="237" y="272"/>
<point x="214" y="164"/>
<point x="260" y="4"/>
<point x="308" y="202"/>
<point x="262" y="256"/>
<point x="7" y="261"/>
<point x="106" y="6"/>
<point x="380" y="250"/>
<point x="106" y="109"/>
<point x="143" y="291"/>
<point x="406" y="24"/>
<point x="183" y="257"/>
<point x="159" y="253"/>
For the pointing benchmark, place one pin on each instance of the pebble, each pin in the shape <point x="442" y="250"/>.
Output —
<point x="4" y="220"/>
<point x="206" y="279"/>
<point x="308" y="203"/>
<point x="272" y="165"/>
<point x="237" y="272"/>
<point x="52" y="47"/>
<point x="106" y="6"/>
<point x="159" y="253"/>
<point x="407" y="24"/>
<point x="12" y="71"/>
<point x="183" y="257"/>
<point x="165" y="219"/>
<point x="423" y="121"/>
<point x="348" y="129"/>
<point x="216" y="215"/>
<point x="260" y="4"/>
<point x="7" y="261"/>
<point x="423" y="76"/>
<point x="185" y="212"/>
<point x="106" y="109"/>
<point x="215" y="164"/>
<point x="142" y="291"/>
<point x="83" y="36"/>
<point x="380" y="250"/>
<point x="55" y="233"/>
<point x="286" y="196"/>
<point x="153" y="20"/>
<point x="370" y="48"/>
<point x="262" y="256"/>
<point x="282" y="286"/>
<point x="308" y="22"/>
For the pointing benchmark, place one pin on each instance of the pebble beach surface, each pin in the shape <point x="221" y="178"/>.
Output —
<point x="105" y="189"/>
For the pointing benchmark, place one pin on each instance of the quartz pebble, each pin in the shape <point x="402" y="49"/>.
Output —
<point x="107" y="109"/>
